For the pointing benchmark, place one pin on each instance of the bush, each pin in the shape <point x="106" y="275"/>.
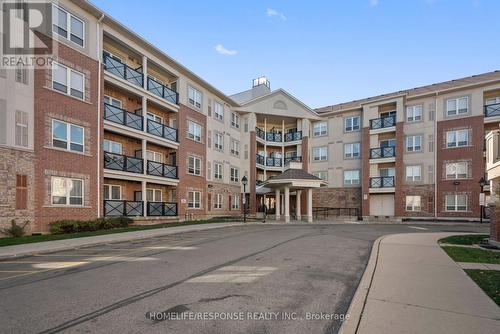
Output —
<point x="15" y="230"/>
<point x="75" y="226"/>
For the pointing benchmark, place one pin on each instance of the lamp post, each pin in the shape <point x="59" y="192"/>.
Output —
<point x="244" y="181"/>
<point x="482" y="183"/>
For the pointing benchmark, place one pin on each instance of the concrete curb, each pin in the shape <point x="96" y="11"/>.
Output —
<point x="357" y="306"/>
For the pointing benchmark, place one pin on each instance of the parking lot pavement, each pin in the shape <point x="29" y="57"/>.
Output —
<point x="299" y="273"/>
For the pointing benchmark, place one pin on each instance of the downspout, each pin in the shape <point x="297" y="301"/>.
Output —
<point x="436" y="141"/>
<point x="99" y="55"/>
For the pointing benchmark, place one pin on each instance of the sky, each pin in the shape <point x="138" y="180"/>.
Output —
<point x="322" y="52"/>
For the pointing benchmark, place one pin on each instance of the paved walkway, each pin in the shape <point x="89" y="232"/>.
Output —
<point x="415" y="287"/>
<point x="482" y="266"/>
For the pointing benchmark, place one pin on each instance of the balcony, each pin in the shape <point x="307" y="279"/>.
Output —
<point x="492" y="110"/>
<point x="382" y="152"/>
<point x="293" y="136"/>
<point x="260" y="133"/>
<point x="382" y="182"/>
<point x="123" y="117"/>
<point x="292" y="159"/>
<point x="163" y="91"/>
<point x="133" y="76"/>
<point x="161" y="130"/>
<point x="274" y="162"/>
<point x="260" y="160"/>
<point x="123" y="208"/>
<point x="160" y="169"/>
<point x="382" y="123"/>
<point x="161" y="209"/>
<point x="275" y="137"/>
<point x="123" y="163"/>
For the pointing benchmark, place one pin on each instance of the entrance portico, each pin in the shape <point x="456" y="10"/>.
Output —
<point x="294" y="180"/>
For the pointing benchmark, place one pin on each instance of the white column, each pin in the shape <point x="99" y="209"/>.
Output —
<point x="145" y="113"/>
<point x="287" y="204"/>
<point x="145" y="71"/>
<point x="143" y="197"/>
<point x="277" y="203"/>
<point x="309" y="205"/>
<point x="144" y="166"/>
<point x="297" y="204"/>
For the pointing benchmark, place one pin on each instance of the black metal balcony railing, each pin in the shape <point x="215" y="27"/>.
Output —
<point x="295" y="159"/>
<point x="260" y="160"/>
<point x="163" y="91"/>
<point x="161" y="209"/>
<point x="274" y="162"/>
<point x="121" y="162"/>
<point x="161" y="130"/>
<point x="134" y="76"/>
<point x="293" y="136"/>
<point x="382" y="182"/>
<point x="382" y="152"/>
<point x="160" y="169"/>
<point x="123" y="208"/>
<point x="260" y="133"/>
<point x="274" y="137"/>
<point x="123" y="117"/>
<point x="492" y="110"/>
<point x="384" y="122"/>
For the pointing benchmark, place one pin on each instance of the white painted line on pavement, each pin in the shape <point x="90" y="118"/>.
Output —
<point x="418" y="228"/>
<point x="234" y="274"/>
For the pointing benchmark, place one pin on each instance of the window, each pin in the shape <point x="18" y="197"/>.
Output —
<point x="351" y="150"/>
<point x="154" y="195"/>
<point x="218" y="201"/>
<point x="235" y="174"/>
<point x="351" y="177"/>
<point x="67" y="25"/>
<point x="413" y="173"/>
<point x="66" y="191"/>
<point x="112" y="146"/>
<point x="413" y="203"/>
<point x="22" y="75"/>
<point x="457" y="138"/>
<point x="351" y="123"/>
<point x="218" y="111"/>
<point x="154" y="118"/>
<point x="67" y="81"/>
<point x="112" y="101"/>
<point x="457" y="106"/>
<point x="194" y="97"/>
<point x="21" y="128"/>
<point x="235" y="147"/>
<point x="194" y="131"/>
<point x="112" y="192"/>
<point x="235" y="205"/>
<point x="218" y="171"/>
<point x="457" y="170"/>
<point x="320" y="153"/>
<point x="67" y="136"/>
<point x="194" y="165"/>
<point x="414" y="113"/>
<point x="322" y="175"/>
<point x="194" y="199"/>
<point x="154" y="156"/>
<point x="235" y="120"/>
<point x="493" y="100"/>
<point x="413" y="143"/>
<point x="219" y="141"/>
<point x="320" y="129"/>
<point x="388" y="143"/>
<point x="21" y="192"/>
<point x="387" y="172"/>
<point x="456" y="202"/>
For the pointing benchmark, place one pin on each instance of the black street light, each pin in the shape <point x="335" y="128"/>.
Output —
<point x="482" y="183"/>
<point x="244" y="181"/>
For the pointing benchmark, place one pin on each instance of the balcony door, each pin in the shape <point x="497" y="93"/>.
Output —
<point x="388" y="114"/>
<point x="154" y="118"/>
<point x="112" y="101"/>
<point x="384" y="172"/>
<point x="154" y="156"/>
<point x="388" y="143"/>
<point x="493" y="100"/>
<point x="152" y="195"/>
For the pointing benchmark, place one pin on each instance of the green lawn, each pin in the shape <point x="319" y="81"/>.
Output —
<point x="463" y="254"/>
<point x="464" y="239"/>
<point x="51" y="237"/>
<point x="488" y="280"/>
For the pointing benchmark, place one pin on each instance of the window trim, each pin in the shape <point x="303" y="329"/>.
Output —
<point x="67" y="195"/>
<point x="218" y="175"/>
<point x="446" y="206"/>
<point x="111" y="99"/>
<point x="235" y="205"/>
<point x="110" y="186"/>
<point x="68" y="137"/>
<point x="194" y="165"/>
<point x="192" y="205"/>
<point x="218" y="201"/>
<point x="412" y="107"/>
<point x="413" y="180"/>
<point x="234" y="174"/>
<point x="317" y="174"/>
<point x="352" y="156"/>
<point x="320" y="134"/>
<point x="456" y="174"/>
<point x="352" y="125"/>
<point x="218" y="134"/>
<point x="221" y="118"/>
<point x="194" y="134"/>
<point x="234" y="143"/>
<point x="413" y="206"/>
<point x="456" y="138"/>
<point x="194" y="100"/>
<point x="413" y="150"/>
<point x="320" y="160"/>
<point x="112" y="142"/>
<point x="24" y="129"/>
<point x="68" y="25"/>
<point x="456" y="99"/>
<point x="68" y="81"/>
<point x="351" y="184"/>
<point x="235" y="124"/>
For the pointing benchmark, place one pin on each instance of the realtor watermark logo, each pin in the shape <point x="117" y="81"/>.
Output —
<point x="26" y="34"/>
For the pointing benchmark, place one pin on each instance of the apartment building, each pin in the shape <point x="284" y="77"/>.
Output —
<point x="117" y="127"/>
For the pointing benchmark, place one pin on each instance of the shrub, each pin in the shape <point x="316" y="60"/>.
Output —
<point x="75" y="226"/>
<point x="15" y="230"/>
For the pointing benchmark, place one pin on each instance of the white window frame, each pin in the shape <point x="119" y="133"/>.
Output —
<point x="322" y="175"/>
<point x="110" y="192"/>
<point x="195" y="97"/>
<point x="157" y="156"/>
<point x="235" y="175"/>
<point x="196" y="165"/>
<point x="413" y="173"/>
<point x="454" y="207"/>
<point x="218" y="200"/>
<point x="110" y="144"/>
<point x="455" y="166"/>
<point x="155" y="192"/>
<point x="69" y="87"/>
<point x="69" y="31"/>
<point x="194" y="199"/>
<point x="413" y="203"/>
<point x="193" y="129"/>
<point x="352" y="181"/>
<point x="21" y="129"/>
<point x="235" y="205"/>
<point x="318" y="153"/>
<point x="218" y="111"/>
<point x="411" y="143"/>
<point x="320" y="129"/>
<point x="456" y="142"/>
<point x="218" y="141"/>
<point x="218" y="171"/>
<point x="68" y="136"/>
<point x="457" y="111"/>
<point x="112" y="101"/>
<point x="349" y="151"/>
<point x="352" y="128"/>
<point x="67" y="191"/>
<point x="235" y="120"/>
<point x="235" y="147"/>
<point x="414" y="113"/>
<point x="492" y="100"/>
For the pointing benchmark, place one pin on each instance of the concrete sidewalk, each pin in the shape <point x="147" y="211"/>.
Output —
<point x="58" y="245"/>
<point x="412" y="286"/>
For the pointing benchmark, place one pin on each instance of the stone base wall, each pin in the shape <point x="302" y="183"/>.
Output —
<point x="337" y="197"/>
<point x="13" y="162"/>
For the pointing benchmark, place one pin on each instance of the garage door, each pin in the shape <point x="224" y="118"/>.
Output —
<point x="382" y="205"/>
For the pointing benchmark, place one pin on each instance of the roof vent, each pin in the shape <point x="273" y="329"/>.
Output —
<point x="261" y="81"/>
